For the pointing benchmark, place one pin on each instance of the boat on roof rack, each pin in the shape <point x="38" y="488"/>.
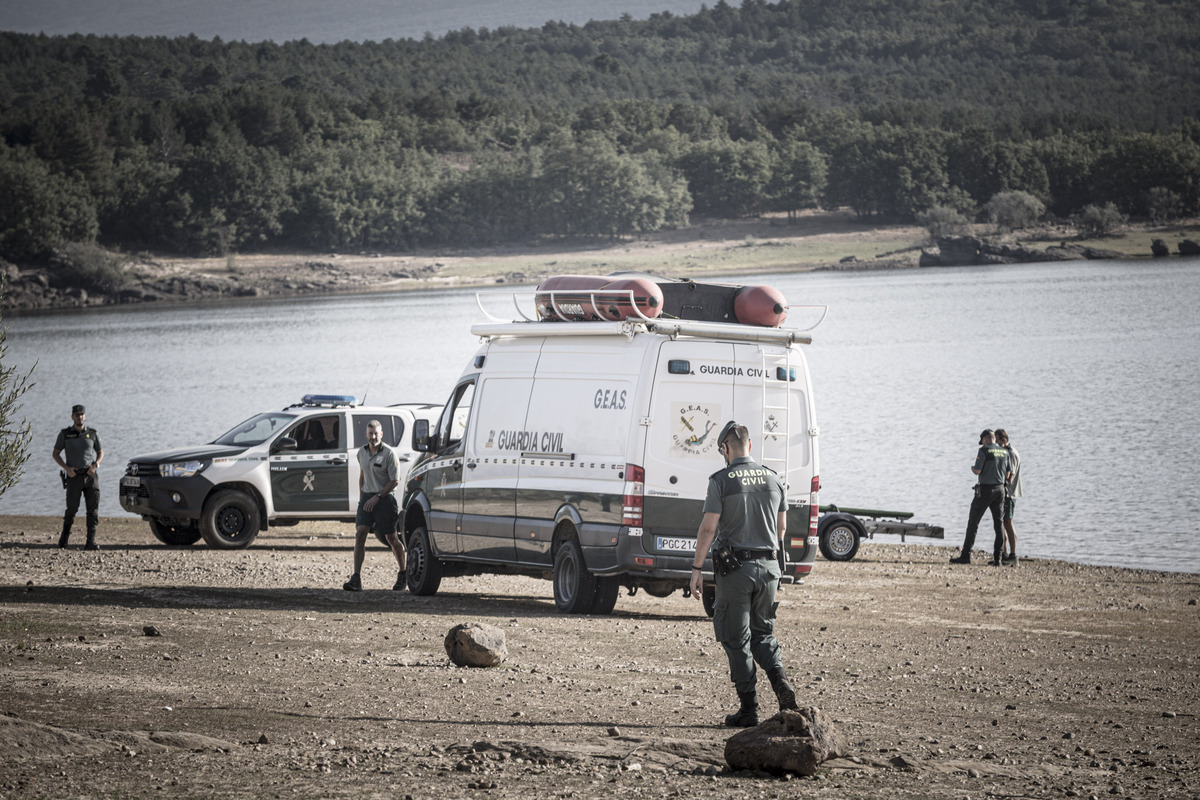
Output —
<point x="628" y="303"/>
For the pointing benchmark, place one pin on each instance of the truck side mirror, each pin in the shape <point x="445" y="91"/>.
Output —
<point x="283" y="443"/>
<point x="420" y="435"/>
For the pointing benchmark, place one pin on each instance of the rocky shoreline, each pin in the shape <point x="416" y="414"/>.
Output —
<point x="969" y="251"/>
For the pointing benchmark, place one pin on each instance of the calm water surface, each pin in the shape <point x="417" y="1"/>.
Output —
<point x="1093" y="368"/>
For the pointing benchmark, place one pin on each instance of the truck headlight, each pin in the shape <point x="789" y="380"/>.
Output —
<point x="182" y="469"/>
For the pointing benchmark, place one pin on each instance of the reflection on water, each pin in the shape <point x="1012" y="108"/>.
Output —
<point x="1092" y="368"/>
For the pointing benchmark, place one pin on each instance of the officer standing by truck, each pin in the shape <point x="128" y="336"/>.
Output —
<point x="745" y="516"/>
<point x="78" y="452"/>
<point x="378" y="477"/>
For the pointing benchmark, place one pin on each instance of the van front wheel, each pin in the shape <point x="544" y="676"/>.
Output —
<point x="424" y="570"/>
<point x="574" y="586"/>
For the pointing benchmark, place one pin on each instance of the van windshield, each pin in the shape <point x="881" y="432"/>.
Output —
<point x="255" y="430"/>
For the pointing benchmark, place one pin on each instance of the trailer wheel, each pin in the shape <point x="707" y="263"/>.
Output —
<point x="840" y="537"/>
<point x="574" y="586"/>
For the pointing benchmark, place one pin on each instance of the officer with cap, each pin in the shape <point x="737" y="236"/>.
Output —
<point x="745" y="514"/>
<point x="79" y="453"/>
<point x="992" y="467"/>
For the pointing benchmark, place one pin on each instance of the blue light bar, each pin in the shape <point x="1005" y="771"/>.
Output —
<point x="329" y="400"/>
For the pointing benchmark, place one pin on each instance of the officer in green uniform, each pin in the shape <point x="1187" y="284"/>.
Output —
<point x="745" y="513"/>
<point x="79" y="453"/>
<point x="992" y="467"/>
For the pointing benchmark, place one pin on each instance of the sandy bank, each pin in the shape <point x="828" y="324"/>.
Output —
<point x="1048" y="680"/>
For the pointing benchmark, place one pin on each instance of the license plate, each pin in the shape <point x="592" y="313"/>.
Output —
<point x="678" y="544"/>
<point x="131" y="480"/>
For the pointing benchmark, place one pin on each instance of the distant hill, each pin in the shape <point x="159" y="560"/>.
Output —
<point x="896" y="108"/>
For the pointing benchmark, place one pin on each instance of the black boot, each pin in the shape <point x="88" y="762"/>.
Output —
<point x="747" y="715"/>
<point x="783" y="690"/>
<point x="66" y="534"/>
<point x="91" y="542"/>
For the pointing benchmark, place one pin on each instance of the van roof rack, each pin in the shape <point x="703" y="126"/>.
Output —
<point x="637" y="322"/>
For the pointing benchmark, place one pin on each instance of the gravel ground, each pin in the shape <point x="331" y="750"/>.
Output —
<point x="267" y="680"/>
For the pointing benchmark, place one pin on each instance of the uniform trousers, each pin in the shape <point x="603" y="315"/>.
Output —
<point x="89" y="487"/>
<point x="744" y="619"/>
<point x="989" y="496"/>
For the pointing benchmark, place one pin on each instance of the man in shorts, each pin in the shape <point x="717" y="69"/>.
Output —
<point x="378" y="477"/>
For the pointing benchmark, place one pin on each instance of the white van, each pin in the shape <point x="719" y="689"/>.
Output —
<point x="581" y="450"/>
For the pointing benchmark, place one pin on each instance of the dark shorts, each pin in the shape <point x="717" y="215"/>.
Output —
<point x="1010" y="505"/>
<point x="382" y="518"/>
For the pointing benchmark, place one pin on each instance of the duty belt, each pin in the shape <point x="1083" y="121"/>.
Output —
<point x="753" y="555"/>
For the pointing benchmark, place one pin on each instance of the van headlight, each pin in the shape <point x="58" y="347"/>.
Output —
<point x="182" y="469"/>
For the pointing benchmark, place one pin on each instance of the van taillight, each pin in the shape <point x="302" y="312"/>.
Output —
<point x="635" y="487"/>
<point x="813" y="505"/>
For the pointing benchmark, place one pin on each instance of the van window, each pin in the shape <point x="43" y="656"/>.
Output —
<point x="455" y="417"/>
<point x="393" y="428"/>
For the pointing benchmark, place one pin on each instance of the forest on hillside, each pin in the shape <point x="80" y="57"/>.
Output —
<point x="898" y="109"/>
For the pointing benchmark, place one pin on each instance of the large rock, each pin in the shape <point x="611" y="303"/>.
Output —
<point x="1189" y="247"/>
<point x="1160" y="249"/>
<point x="476" y="644"/>
<point x="791" y="741"/>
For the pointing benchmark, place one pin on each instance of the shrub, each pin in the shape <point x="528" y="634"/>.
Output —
<point x="1014" y="210"/>
<point x="1163" y="205"/>
<point x="89" y="266"/>
<point x="1099" y="220"/>
<point x="942" y="221"/>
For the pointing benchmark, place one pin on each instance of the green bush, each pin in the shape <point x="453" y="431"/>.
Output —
<point x="89" y="266"/>
<point x="1014" y="210"/>
<point x="1099" y="220"/>
<point x="942" y="221"/>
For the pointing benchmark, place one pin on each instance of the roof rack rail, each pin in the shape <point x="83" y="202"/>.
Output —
<point x="637" y="322"/>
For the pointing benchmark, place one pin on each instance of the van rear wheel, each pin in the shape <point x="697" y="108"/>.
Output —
<point x="574" y="586"/>
<point x="423" y="568"/>
<point x="605" y="600"/>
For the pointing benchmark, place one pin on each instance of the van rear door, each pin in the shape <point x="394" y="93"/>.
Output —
<point x="692" y="398"/>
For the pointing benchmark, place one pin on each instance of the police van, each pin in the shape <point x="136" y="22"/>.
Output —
<point x="276" y="468"/>
<point x="578" y="442"/>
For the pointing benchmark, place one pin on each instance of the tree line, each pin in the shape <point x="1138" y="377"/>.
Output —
<point x="603" y="130"/>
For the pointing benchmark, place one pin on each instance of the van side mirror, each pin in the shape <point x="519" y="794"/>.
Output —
<point x="283" y="443"/>
<point x="420" y="435"/>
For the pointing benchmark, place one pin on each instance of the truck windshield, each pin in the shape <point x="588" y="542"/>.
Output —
<point x="255" y="430"/>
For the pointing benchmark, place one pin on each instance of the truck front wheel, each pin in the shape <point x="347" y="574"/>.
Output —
<point x="174" y="535"/>
<point x="230" y="520"/>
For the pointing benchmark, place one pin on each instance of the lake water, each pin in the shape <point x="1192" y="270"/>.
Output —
<point x="1093" y="368"/>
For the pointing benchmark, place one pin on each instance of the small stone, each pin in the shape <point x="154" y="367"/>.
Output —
<point x="974" y="773"/>
<point x="1170" y="714"/>
<point x="150" y="630"/>
<point x="263" y="739"/>
<point x="614" y="731"/>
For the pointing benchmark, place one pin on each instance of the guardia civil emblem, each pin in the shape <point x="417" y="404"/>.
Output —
<point x="695" y="427"/>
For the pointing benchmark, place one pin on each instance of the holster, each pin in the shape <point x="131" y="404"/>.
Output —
<point x="725" y="561"/>
<point x="63" y="476"/>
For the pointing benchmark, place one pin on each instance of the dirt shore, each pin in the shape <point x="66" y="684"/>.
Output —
<point x="813" y="240"/>
<point x="1048" y="680"/>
